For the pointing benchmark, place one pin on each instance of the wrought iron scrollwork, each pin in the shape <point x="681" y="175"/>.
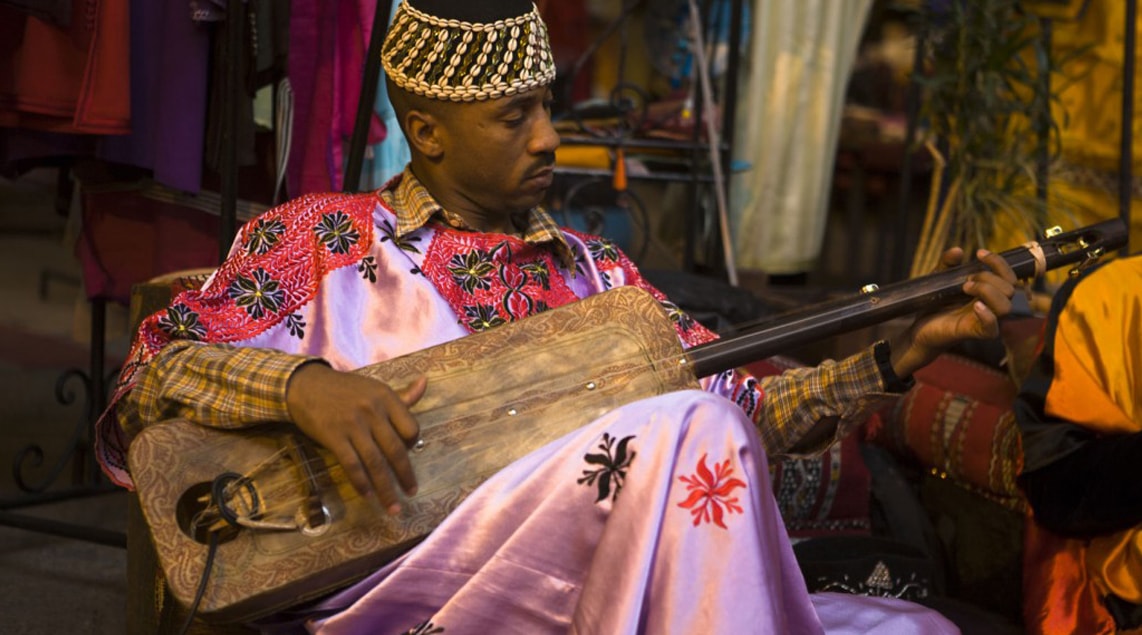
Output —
<point x="32" y="455"/>
<point x="72" y="386"/>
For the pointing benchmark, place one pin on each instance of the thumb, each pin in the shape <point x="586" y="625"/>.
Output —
<point x="412" y="393"/>
<point x="952" y="257"/>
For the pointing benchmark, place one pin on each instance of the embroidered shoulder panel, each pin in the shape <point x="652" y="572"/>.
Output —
<point x="616" y="269"/>
<point x="279" y="261"/>
<point x="274" y="268"/>
<point x="490" y="280"/>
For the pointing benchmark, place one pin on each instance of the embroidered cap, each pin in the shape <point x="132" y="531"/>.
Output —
<point x="468" y="51"/>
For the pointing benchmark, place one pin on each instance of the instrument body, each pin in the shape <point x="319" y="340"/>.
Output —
<point x="492" y="397"/>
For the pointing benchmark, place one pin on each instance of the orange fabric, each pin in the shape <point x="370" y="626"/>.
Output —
<point x="1097" y="383"/>
<point x="1115" y="562"/>
<point x="1058" y="595"/>
<point x="74" y="80"/>
<point x="1098" y="359"/>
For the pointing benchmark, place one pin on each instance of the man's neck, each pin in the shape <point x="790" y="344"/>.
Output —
<point x="475" y="217"/>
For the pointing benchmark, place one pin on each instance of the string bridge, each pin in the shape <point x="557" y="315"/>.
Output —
<point x="291" y="491"/>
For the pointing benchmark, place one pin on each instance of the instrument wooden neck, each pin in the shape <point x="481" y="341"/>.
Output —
<point x="800" y="327"/>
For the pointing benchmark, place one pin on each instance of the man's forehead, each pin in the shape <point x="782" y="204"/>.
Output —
<point x="521" y="99"/>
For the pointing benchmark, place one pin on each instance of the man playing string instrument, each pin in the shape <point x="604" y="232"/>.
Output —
<point x="656" y="517"/>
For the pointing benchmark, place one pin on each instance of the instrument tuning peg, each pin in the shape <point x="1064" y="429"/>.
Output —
<point x="1091" y="258"/>
<point x="1053" y="231"/>
<point x="869" y="288"/>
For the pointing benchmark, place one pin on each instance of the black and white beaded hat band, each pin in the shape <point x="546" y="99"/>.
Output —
<point x="465" y="60"/>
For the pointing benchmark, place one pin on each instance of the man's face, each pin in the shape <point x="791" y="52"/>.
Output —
<point x="499" y="154"/>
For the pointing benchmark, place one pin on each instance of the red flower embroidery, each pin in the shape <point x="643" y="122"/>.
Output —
<point x="710" y="493"/>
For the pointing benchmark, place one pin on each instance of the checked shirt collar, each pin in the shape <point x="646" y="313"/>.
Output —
<point x="415" y="207"/>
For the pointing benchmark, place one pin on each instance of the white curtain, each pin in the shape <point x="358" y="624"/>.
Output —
<point x="789" y="118"/>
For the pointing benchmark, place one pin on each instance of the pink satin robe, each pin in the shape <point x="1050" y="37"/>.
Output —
<point x="656" y="518"/>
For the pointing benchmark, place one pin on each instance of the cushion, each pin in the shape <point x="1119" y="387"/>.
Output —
<point x="957" y="422"/>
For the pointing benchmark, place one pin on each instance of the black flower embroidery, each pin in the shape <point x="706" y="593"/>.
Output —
<point x="613" y="464"/>
<point x="265" y="233"/>
<point x="404" y="243"/>
<point x="503" y="251"/>
<point x="748" y="398"/>
<point x="368" y="268"/>
<point x="296" y="325"/>
<point x="603" y="249"/>
<point x="678" y="316"/>
<point x="482" y="317"/>
<point x="580" y="263"/>
<point x="257" y="294"/>
<point x="336" y="231"/>
<point x="181" y="323"/>
<point x="539" y="273"/>
<point x="472" y="270"/>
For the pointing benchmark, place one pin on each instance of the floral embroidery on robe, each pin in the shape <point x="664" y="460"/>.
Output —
<point x="711" y="493"/>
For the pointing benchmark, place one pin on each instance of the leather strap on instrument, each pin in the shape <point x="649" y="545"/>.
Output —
<point x="1040" y="258"/>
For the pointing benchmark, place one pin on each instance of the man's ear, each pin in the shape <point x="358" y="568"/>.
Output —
<point x="424" y="133"/>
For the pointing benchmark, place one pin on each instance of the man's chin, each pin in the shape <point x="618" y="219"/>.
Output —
<point x="530" y="198"/>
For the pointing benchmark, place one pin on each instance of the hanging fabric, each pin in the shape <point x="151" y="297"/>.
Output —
<point x="71" y="79"/>
<point x="168" y="96"/>
<point x="328" y="40"/>
<point x="802" y="53"/>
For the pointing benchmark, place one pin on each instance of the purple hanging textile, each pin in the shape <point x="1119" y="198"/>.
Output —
<point x="306" y="25"/>
<point x="168" y="95"/>
<point x="328" y="41"/>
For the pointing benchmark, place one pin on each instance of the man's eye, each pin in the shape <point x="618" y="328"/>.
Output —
<point x="514" y="122"/>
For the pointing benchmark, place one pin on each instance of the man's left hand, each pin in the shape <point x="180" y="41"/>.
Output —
<point x="990" y="291"/>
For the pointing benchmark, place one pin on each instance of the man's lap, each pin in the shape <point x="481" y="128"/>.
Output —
<point x="549" y="544"/>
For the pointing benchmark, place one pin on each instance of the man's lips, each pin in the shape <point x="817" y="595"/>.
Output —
<point x="543" y="176"/>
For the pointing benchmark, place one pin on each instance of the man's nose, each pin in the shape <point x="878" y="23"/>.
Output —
<point x="544" y="138"/>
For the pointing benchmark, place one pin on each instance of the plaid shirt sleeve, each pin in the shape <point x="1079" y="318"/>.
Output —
<point x="216" y="385"/>
<point x="806" y="409"/>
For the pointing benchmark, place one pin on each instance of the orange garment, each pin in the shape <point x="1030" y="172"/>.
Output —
<point x="67" y="80"/>
<point x="1096" y="348"/>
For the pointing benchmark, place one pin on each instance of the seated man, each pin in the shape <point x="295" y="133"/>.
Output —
<point x="458" y="244"/>
<point x="1080" y="414"/>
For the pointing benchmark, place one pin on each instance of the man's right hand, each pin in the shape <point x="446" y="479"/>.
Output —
<point x="363" y="422"/>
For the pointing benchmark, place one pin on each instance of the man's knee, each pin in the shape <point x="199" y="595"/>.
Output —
<point x="696" y="413"/>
